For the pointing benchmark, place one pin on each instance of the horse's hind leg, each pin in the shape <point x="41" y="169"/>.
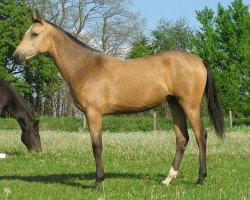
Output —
<point x="179" y="119"/>
<point x="193" y="113"/>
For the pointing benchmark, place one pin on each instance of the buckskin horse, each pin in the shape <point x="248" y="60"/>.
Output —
<point x="102" y="85"/>
<point x="12" y="102"/>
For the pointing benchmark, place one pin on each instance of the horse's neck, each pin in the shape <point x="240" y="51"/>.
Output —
<point x="69" y="57"/>
<point x="20" y="112"/>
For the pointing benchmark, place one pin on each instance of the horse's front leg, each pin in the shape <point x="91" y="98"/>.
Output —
<point x="94" y="119"/>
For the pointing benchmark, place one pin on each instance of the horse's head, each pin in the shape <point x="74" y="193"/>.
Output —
<point x="30" y="135"/>
<point x="35" y="40"/>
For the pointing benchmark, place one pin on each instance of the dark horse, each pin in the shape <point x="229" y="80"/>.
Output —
<point x="12" y="102"/>
<point x="102" y="85"/>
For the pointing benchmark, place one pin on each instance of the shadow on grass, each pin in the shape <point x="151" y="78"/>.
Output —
<point x="70" y="179"/>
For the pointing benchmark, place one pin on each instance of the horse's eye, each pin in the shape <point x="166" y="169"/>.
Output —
<point x="34" y="34"/>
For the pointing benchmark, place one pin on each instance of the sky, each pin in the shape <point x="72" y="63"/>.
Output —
<point x="154" y="10"/>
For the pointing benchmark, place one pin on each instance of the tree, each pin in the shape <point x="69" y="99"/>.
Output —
<point x="173" y="35"/>
<point x="140" y="48"/>
<point x="223" y="41"/>
<point x="13" y="23"/>
<point x="117" y="27"/>
<point x="45" y="81"/>
<point x="168" y="35"/>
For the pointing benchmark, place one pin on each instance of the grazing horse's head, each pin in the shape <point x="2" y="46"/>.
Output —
<point x="35" y="40"/>
<point x="30" y="135"/>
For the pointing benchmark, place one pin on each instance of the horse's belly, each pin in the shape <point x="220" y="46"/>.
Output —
<point x="136" y="99"/>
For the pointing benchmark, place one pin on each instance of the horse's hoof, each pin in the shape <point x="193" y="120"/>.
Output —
<point x="94" y="188"/>
<point x="200" y="183"/>
<point x="165" y="183"/>
<point x="97" y="184"/>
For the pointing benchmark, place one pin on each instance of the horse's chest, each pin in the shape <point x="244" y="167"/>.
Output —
<point x="84" y="97"/>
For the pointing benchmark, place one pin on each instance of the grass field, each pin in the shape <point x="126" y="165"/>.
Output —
<point x="135" y="164"/>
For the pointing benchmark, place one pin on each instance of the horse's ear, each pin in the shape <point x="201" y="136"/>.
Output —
<point x="40" y="18"/>
<point x="33" y="17"/>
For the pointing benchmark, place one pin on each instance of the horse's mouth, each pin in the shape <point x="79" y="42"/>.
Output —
<point x="31" y="56"/>
<point x="37" y="150"/>
<point x="19" y="58"/>
<point x="22" y="63"/>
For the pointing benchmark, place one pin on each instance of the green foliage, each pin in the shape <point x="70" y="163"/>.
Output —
<point x="223" y="42"/>
<point x="119" y="124"/>
<point x="241" y="121"/>
<point x="13" y="24"/>
<point x="9" y="124"/>
<point x="110" y="123"/>
<point x="169" y="36"/>
<point x="140" y="48"/>
<point x="44" y="79"/>
<point x="135" y="123"/>
<point x="68" y="124"/>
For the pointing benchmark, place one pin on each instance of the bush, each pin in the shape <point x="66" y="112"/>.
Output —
<point x="69" y="124"/>
<point x="8" y="124"/>
<point x="118" y="123"/>
<point x="124" y="123"/>
<point x="241" y="122"/>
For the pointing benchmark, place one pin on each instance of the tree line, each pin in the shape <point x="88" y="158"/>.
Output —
<point x="223" y="41"/>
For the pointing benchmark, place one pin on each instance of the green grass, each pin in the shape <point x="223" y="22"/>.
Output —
<point x="135" y="165"/>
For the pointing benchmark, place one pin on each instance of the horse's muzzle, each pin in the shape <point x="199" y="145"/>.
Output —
<point x="18" y="58"/>
<point x="35" y="149"/>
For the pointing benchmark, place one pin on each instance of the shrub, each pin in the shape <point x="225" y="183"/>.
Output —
<point x="118" y="123"/>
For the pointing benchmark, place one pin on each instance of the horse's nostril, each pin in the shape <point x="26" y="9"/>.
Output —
<point x="15" y="57"/>
<point x="18" y="58"/>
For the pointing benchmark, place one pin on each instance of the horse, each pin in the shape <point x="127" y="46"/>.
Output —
<point x="104" y="85"/>
<point x="12" y="102"/>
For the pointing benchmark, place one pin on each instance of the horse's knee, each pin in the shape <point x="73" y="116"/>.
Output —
<point x="182" y="146"/>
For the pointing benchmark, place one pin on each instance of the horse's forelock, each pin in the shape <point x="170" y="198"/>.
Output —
<point x="35" y="21"/>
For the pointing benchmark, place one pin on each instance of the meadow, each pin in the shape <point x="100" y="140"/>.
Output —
<point x="135" y="164"/>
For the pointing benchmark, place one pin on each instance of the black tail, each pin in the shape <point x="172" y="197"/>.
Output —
<point x="214" y="108"/>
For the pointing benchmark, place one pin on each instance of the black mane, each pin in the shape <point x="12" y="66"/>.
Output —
<point x="91" y="49"/>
